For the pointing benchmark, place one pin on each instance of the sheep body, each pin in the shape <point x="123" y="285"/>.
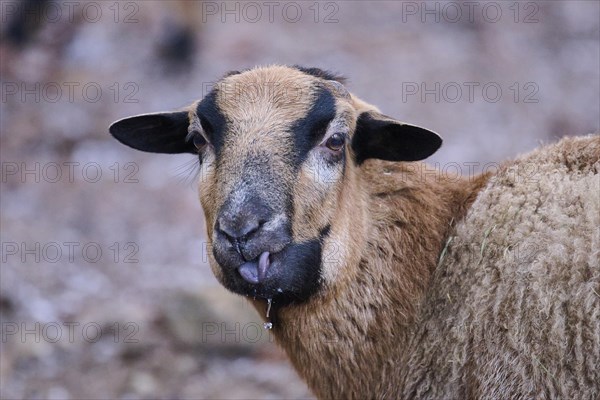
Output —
<point x="388" y="278"/>
<point x="510" y="309"/>
<point x="513" y="311"/>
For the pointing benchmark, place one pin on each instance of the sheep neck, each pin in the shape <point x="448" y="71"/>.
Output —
<point x="344" y="341"/>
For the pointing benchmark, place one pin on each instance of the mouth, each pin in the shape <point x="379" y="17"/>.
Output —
<point x="256" y="271"/>
<point x="270" y="275"/>
<point x="287" y="276"/>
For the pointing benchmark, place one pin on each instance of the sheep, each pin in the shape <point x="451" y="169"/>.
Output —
<point x="381" y="276"/>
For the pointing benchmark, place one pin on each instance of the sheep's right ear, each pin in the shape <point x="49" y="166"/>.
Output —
<point x="163" y="132"/>
<point x="382" y="137"/>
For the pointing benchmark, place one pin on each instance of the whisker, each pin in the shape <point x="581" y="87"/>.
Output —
<point x="188" y="172"/>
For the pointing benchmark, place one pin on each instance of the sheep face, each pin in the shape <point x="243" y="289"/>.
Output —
<point x="280" y="152"/>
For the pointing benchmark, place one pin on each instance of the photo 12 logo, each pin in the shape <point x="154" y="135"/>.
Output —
<point x="69" y="252"/>
<point x="70" y="92"/>
<point x="69" y="332"/>
<point x="470" y="92"/>
<point x="68" y="172"/>
<point x="470" y="11"/>
<point x="270" y="11"/>
<point x="35" y="12"/>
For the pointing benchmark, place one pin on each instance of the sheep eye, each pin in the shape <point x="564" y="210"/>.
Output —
<point x="335" y="142"/>
<point x="199" y="141"/>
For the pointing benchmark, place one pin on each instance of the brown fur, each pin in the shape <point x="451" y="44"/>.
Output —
<point x="261" y="104"/>
<point x="389" y="322"/>
<point x="431" y="286"/>
<point x="395" y="326"/>
<point x="344" y="341"/>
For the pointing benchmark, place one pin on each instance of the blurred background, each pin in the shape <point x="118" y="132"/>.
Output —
<point x="105" y="288"/>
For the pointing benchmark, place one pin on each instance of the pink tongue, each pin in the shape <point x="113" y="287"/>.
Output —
<point x="253" y="273"/>
<point x="248" y="272"/>
<point x="263" y="265"/>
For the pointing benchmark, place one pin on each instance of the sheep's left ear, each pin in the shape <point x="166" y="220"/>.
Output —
<point x="384" y="138"/>
<point x="163" y="132"/>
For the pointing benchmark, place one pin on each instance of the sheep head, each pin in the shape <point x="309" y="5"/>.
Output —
<point x="280" y="152"/>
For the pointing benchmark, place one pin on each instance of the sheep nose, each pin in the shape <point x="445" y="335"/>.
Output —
<point x="243" y="230"/>
<point x="239" y="229"/>
<point x="241" y="225"/>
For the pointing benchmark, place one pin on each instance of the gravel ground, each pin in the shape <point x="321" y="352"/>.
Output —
<point x="105" y="289"/>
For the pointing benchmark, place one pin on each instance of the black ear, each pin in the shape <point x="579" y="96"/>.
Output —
<point x="163" y="132"/>
<point x="382" y="137"/>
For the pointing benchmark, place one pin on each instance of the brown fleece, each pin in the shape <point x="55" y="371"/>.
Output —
<point x="431" y="286"/>
<point x="504" y="304"/>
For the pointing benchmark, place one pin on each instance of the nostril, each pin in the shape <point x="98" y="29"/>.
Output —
<point x="245" y="237"/>
<point x="253" y="229"/>
<point x="230" y="238"/>
<point x="238" y="230"/>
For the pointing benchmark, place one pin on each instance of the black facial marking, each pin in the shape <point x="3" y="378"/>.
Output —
<point x="307" y="258"/>
<point x="231" y="73"/>
<point x="323" y="233"/>
<point x="310" y="129"/>
<point x="212" y="119"/>
<point x="320" y="73"/>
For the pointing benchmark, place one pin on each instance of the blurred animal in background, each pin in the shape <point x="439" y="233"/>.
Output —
<point x="382" y="277"/>
<point x="176" y="42"/>
<point x="25" y="22"/>
<point x="177" y="45"/>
